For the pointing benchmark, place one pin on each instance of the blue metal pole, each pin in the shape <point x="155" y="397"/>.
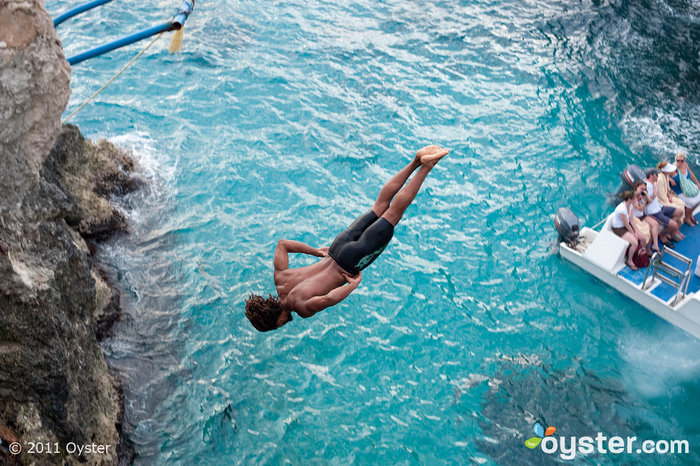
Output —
<point x="176" y="23"/>
<point x="120" y="43"/>
<point x="77" y="10"/>
<point x="182" y="14"/>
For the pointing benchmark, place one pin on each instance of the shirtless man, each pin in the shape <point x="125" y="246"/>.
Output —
<point x="308" y="290"/>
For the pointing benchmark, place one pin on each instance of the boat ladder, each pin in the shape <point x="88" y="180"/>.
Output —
<point x="667" y="273"/>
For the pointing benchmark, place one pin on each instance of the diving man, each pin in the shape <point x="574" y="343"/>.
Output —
<point x="308" y="290"/>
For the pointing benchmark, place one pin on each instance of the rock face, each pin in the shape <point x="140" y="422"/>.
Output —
<point x="55" y="387"/>
<point x="34" y="91"/>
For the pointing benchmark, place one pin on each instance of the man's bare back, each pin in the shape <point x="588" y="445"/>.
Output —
<point x="310" y="289"/>
<point x="307" y="290"/>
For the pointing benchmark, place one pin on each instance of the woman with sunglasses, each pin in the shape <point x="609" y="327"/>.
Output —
<point x="666" y="195"/>
<point x="691" y="202"/>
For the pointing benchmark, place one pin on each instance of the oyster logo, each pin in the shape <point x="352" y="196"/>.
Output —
<point x="533" y="442"/>
<point x="569" y="447"/>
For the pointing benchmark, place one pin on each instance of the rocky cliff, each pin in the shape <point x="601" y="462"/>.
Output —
<point x="58" y="400"/>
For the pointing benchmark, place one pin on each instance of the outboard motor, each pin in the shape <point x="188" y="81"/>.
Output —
<point x="567" y="226"/>
<point x="629" y="176"/>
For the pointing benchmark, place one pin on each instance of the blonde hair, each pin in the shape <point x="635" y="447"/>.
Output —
<point x="662" y="164"/>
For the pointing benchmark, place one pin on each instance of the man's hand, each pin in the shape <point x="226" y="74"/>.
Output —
<point x="353" y="280"/>
<point x="322" y="252"/>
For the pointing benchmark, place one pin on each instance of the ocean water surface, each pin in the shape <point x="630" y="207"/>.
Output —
<point x="283" y="119"/>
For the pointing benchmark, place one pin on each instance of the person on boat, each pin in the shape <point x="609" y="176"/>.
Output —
<point x="647" y="226"/>
<point x="308" y="290"/>
<point x="665" y="215"/>
<point x="687" y="191"/>
<point x="622" y="227"/>
<point x="666" y="195"/>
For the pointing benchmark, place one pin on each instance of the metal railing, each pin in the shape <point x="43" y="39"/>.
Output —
<point x="666" y="273"/>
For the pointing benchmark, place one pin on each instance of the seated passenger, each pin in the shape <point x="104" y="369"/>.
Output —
<point x="690" y="195"/>
<point x="666" y="195"/>
<point x="644" y="224"/>
<point x="665" y="215"/>
<point x="623" y="228"/>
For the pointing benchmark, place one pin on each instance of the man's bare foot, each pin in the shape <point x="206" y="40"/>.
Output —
<point x="433" y="156"/>
<point x="426" y="150"/>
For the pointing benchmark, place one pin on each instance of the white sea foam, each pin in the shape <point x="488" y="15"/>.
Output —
<point x="657" y="364"/>
<point x="661" y="132"/>
<point x="153" y="163"/>
<point x="646" y="132"/>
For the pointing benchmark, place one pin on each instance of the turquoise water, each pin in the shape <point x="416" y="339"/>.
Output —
<point x="283" y="119"/>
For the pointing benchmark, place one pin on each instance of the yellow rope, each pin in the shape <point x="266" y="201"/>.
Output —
<point x="131" y="62"/>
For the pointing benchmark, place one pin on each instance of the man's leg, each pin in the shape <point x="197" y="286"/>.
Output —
<point x="677" y="214"/>
<point x="393" y="186"/>
<point x="406" y="195"/>
<point x="397" y="181"/>
<point x="358" y="246"/>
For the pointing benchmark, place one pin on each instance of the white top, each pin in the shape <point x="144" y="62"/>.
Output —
<point x="635" y="212"/>
<point x="653" y="207"/>
<point x="621" y="209"/>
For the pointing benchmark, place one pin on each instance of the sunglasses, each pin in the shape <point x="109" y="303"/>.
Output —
<point x="680" y="160"/>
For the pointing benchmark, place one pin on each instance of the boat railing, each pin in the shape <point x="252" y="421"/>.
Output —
<point x="667" y="273"/>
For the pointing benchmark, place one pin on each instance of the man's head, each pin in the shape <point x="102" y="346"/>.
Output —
<point x="652" y="175"/>
<point x="266" y="314"/>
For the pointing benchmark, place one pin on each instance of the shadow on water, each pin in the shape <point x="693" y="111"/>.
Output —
<point x="219" y="431"/>
<point x="578" y="402"/>
<point x="646" y="63"/>
<point x="638" y="64"/>
<point x="143" y="349"/>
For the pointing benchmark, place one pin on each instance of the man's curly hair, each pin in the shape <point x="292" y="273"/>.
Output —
<point x="263" y="313"/>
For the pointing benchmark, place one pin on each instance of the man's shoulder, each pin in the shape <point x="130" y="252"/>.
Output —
<point x="282" y="277"/>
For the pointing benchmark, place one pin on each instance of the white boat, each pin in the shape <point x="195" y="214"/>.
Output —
<point x="669" y="287"/>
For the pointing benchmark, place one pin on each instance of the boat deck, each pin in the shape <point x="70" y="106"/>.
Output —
<point x="689" y="247"/>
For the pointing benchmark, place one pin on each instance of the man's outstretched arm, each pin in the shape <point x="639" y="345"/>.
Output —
<point x="286" y="246"/>
<point x="319" y="303"/>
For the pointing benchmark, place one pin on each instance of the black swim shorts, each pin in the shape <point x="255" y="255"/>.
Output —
<point x="363" y="241"/>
